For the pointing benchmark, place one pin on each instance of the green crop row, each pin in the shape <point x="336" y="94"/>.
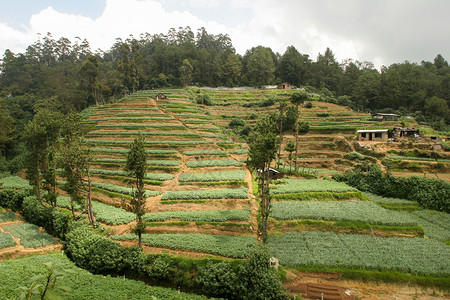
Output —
<point x="187" y="116"/>
<point x="6" y="240"/>
<point x="7" y="216"/>
<point x="239" y="151"/>
<point x="121" y="189"/>
<point x="205" y="215"/>
<point x="133" y="119"/>
<point x="120" y="142"/>
<point x="205" y="152"/>
<point x="14" y="182"/>
<point x="327" y="249"/>
<point x="141" y="126"/>
<point x="213" y="163"/>
<point x="231" y="246"/>
<point x="29" y="235"/>
<point x="311" y="185"/>
<point x="154" y="133"/>
<point x="150" y="176"/>
<point x="360" y="211"/>
<point x="239" y="193"/>
<point x="125" y="151"/>
<point x="130" y="114"/>
<point x="172" y="163"/>
<point x="213" y="176"/>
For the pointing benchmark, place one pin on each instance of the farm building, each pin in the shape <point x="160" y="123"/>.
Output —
<point x="399" y="132"/>
<point x="438" y="147"/>
<point x="285" y="86"/>
<point x="160" y="96"/>
<point x="273" y="174"/>
<point x="385" y="117"/>
<point x="373" y="135"/>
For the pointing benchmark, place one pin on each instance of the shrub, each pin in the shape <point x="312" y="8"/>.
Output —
<point x="237" y="122"/>
<point x="309" y="104"/>
<point x="204" y="99"/>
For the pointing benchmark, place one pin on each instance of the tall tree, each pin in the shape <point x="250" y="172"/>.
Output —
<point x="89" y="79"/>
<point x="75" y="159"/>
<point x="186" y="72"/>
<point x="282" y="109"/>
<point x="263" y="147"/>
<point x="292" y="66"/>
<point x="136" y="166"/>
<point x="260" y="65"/>
<point x="7" y="129"/>
<point x="297" y="98"/>
<point x="41" y="136"/>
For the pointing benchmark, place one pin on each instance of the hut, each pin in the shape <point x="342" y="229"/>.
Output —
<point x="161" y="96"/>
<point x="285" y="86"/>
<point x="373" y="135"/>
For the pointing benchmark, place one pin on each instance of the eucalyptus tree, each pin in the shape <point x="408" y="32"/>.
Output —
<point x="282" y="108"/>
<point x="263" y="147"/>
<point x="297" y="98"/>
<point x="136" y="165"/>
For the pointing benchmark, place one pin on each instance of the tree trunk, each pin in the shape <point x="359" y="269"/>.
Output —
<point x="296" y="141"/>
<point x="281" y="141"/>
<point x="89" y="200"/>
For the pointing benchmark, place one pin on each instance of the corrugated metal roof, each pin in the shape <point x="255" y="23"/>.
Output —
<point x="372" y="130"/>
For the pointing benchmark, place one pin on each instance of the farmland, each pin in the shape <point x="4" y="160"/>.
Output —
<point x="201" y="198"/>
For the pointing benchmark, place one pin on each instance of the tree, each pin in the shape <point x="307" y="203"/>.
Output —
<point x="438" y="107"/>
<point x="297" y="98"/>
<point x="263" y="147"/>
<point x="260" y="65"/>
<point x="186" y="72"/>
<point x="232" y="69"/>
<point x="41" y="136"/>
<point x="290" y="147"/>
<point x="136" y="166"/>
<point x="88" y="79"/>
<point x="7" y="129"/>
<point x="292" y="67"/>
<point x="282" y="108"/>
<point x="76" y="159"/>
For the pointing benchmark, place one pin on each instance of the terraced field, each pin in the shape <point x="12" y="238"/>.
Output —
<point x="200" y="194"/>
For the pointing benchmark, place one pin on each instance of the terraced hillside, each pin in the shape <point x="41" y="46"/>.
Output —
<point x="200" y="195"/>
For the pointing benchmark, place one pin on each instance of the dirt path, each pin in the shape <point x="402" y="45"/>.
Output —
<point x="306" y="284"/>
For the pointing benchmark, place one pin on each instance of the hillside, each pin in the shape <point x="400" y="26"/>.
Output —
<point x="200" y="197"/>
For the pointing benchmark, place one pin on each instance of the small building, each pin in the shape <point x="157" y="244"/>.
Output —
<point x="160" y="96"/>
<point x="273" y="174"/>
<point x="438" y="147"/>
<point x="385" y="117"/>
<point x="373" y="135"/>
<point x="285" y="86"/>
<point x="400" y="132"/>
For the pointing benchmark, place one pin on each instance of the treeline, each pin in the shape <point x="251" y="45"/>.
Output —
<point x="66" y="76"/>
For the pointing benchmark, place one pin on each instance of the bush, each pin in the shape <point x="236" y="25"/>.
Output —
<point x="237" y="122"/>
<point x="309" y="104"/>
<point x="218" y="280"/>
<point x="204" y="99"/>
<point x="35" y="213"/>
<point x="13" y="198"/>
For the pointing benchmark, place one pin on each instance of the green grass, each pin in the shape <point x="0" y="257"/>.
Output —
<point x="14" y="182"/>
<point x="310" y="185"/>
<point x="230" y="246"/>
<point x="80" y="283"/>
<point x="213" y="163"/>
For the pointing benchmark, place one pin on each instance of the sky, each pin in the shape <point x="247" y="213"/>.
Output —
<point x="379" y="31"/>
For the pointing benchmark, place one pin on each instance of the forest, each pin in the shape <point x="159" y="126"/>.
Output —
<point x="64" y="75"/>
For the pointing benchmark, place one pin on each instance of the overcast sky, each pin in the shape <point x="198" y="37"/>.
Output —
<point x="380" y="31"/>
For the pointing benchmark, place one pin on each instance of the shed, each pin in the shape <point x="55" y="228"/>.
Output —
<point x="160" y="96"/>
<point x="385" y="117"/>
<point x="273" y="174"/>
<point x="405" y="132"/>
<point x="373" y="135"/>
<point x="285" y="86"/>
<point x="438" y="147"/>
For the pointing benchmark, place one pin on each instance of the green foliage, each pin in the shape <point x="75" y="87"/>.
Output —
<point x="79" y="283"/>
<point x="205" y="152"/>
<point x="238" y="193"/>
<point x="6" y="240"/>
<point x="213" y="163"/>
<point x="213" y="176"/>
<point x="429" y="193"/>
<point x="327" y="249"/>
<point x="204" y="215"/>
<point x="14" y="182"/>
<point x="29" y="235"/>
<point x="13" y="198"/>
<point x="231" y="246"/>
<point x="361" y="211"/>
<point x="121" y="189"/>
<point x="204" y="99"/>
<point x="310" y="185"/>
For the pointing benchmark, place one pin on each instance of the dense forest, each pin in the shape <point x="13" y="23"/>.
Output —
<point x="62" y="75"/>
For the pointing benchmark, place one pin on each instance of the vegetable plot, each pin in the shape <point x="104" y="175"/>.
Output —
<point x="6" y="240"/>
<point x="213" y="163"/>
<point x="213" y="176"/>
<point x="231" y="246"/>
<point x="206" y="215"/>
<point x="29" y="235"/>
<point x="311" y="185"/>
<point x="412" y="255"/>
<point x="239" y="193"/>
<point x="361" y="211"/>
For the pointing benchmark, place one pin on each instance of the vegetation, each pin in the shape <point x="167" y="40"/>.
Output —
<point x="213" y="176"/>
<point x="205" y="215"/>
<point x="238" y="193"/>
